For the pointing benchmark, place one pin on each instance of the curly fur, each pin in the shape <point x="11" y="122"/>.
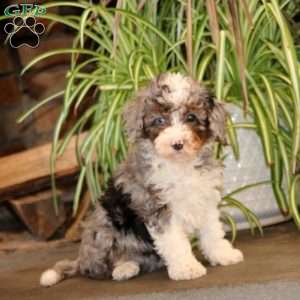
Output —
<point x="166" y="191"/>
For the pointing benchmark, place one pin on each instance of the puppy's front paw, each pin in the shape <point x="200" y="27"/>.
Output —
<point x="186" y="271"/>
<point x="224" y="255"/>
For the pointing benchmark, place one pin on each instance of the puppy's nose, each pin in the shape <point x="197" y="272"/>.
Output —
<point x="177" y="146"/>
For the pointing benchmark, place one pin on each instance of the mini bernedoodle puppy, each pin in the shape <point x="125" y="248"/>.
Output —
<point x="167" y="190"/>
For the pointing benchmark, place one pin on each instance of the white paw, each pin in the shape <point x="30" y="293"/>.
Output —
<point x="225" y="255"/>
<point x="186" y="271"/>
<point x="49" y="278"/>
<point x="125" y="271"/>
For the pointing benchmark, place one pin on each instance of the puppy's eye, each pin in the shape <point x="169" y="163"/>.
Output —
<point x="191" y="118"/>
<point x="159" y="121"/>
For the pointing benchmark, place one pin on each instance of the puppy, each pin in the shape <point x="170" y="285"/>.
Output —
<point x="165" y="192"/>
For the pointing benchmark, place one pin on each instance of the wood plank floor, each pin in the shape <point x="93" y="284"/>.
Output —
<point x="274" y="257"/>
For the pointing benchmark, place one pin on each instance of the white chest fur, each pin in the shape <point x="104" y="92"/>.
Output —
<point x="190" y="192"/>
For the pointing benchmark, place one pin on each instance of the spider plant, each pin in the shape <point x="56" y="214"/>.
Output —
<point x="244" y="51"/>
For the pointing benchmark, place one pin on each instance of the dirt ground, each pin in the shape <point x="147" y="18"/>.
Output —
<point x="275" y="257"/>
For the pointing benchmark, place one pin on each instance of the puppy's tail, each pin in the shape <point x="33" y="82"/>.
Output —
<point x="61" y="270"/>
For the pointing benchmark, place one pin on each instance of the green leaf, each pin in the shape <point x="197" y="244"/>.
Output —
<point x="294" y="204"/>
<point x="293" y="65"/>
<point x="39" y="105"/>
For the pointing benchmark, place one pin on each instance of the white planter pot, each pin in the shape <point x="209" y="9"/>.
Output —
<point x="250" y="168"/>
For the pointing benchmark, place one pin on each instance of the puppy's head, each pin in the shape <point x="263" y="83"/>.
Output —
<point x="177" y="114"/>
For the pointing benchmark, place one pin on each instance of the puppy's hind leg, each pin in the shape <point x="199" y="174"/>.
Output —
<point x="125" y="270"/>
<point x="61" y="270"/>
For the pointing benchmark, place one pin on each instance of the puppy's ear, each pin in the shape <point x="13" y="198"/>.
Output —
<point x="133" y="118"/>
<point x="217" y="121"/>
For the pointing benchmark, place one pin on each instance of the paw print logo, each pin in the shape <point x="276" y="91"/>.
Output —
<point x="21" y="27"/>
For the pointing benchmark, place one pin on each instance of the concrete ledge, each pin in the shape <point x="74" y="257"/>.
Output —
<point x="269" y="291"/>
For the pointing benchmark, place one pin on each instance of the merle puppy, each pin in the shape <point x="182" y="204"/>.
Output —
<point x="167" y="190"/>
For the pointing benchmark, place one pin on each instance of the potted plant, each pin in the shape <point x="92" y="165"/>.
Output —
<point x="244" y="51"/>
